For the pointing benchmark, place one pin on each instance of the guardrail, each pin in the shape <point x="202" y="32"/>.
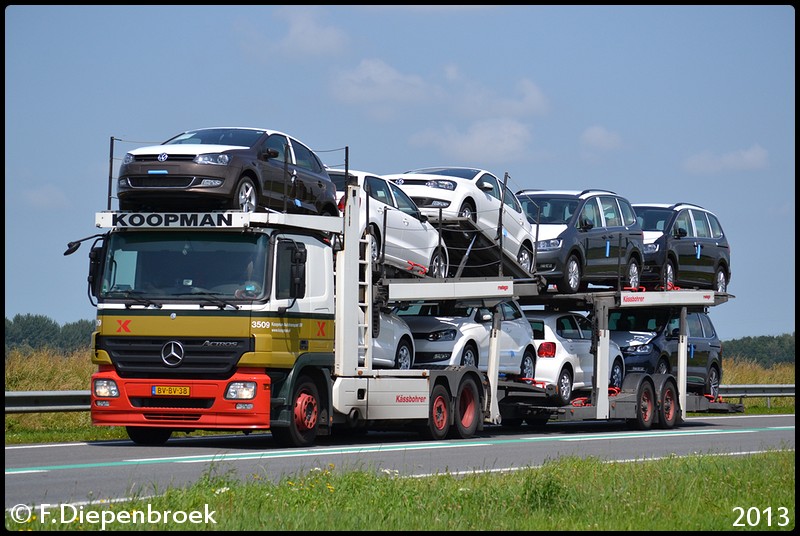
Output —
<point x="55" y="401"/>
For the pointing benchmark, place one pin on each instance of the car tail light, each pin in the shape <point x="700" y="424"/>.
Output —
<point x="341" y="204"/>
<point x="546" y="349"/>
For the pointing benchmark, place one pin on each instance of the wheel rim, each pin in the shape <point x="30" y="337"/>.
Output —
<point x="646" y="406"/>
<point x="470" y="357"/>
<point x="669" y="404"/>
<point x="466" y="212"/>
<point x="437" y="268"/>
<point x="616" y="375"/>
<point x="524" y="259"/>
<point x="722" y="283"/>
<point x="669" y="276"/>
<point x="565" y="386"/>
<point x="247" y="197"/>
<point x="305" y="412"/>
<point x="439" y="413"/>
<point x="573" y="274"/>
<point x="404" y="357"/>
<point x="713" y="382"/>
<point x="527" y="370"/>
<point x="633" y="275"/>
<point x="467" y="408"/>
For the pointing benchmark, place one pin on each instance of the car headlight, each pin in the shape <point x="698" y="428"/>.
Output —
<point x="548" y="245"/>
<point x="127" y="159"/>
<point x="649" y="249"/>
<point x="240" y="391"/>
<point x="441" y="184"/>
<point x="638" y="349"/>
<point x="123" y="182"/>
<point x="217" y="159"/>
<point x="105" y="389"/>
<point x="443" y="335"/>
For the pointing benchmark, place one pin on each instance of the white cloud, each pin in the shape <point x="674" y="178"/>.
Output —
<point x="597" y="137"/>
<point x="307" y="36"/>
<point x="491" y="140"/>
<point x="46" y="197"/>
<point x="756" y="157"/>
<point x="474" y="101"/>
<point x="374" y="81"/>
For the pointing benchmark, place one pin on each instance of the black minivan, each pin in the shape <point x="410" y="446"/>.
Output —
<point x="649" y="337"/>
<point x="684" y="246"/>
<point x="583" y="237"/>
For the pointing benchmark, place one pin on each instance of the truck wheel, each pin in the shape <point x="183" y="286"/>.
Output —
<point x="142" y="435"/>
<point x="302" y="429"/>
<point x="439" y="413"/>
<point x="669" y="406"/>
<point x="645" y="406"/>
<point x="467" y="409"/>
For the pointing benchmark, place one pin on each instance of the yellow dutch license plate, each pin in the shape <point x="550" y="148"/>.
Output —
<point x="168" y="390"/>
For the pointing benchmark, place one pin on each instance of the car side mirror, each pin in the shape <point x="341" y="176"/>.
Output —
<point x="486" y="317"/>
<point x="586" y="224"/>
<point x="486" y="186"/>
<point x="422" y="217"/>
<point x="270" y="153"/>
<point x="680" y="232"/>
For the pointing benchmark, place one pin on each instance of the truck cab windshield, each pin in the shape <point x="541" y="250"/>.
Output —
<point x="212" y="267"/>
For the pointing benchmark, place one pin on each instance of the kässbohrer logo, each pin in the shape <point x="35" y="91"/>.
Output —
<point x="632" y="299"/>
<point x="413" y="399"/>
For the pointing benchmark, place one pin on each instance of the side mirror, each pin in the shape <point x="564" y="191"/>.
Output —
<point x="270" y="153"/>
<point x="680" y="232"/>
<point x="586" y="224"/>
<point x="486" y="186"/>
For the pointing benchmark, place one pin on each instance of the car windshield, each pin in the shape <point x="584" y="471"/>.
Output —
<point x="548" y="210"/>
<point x="639" y="320"/>
<point x="653" y="219"/>
<point x="460" y="173"/>
<point x="218" y="136"/>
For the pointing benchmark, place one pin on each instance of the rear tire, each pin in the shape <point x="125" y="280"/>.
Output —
<point x="404" y="356"/>
<point x="467" y="408"/>
<point x="645" y="406"/>
<point x="439" y="413"/>
<point x="712" y="383"/>
<point x="669" y="406"/>
<point x="438" y="265"/>
<point x="564" y="387"/>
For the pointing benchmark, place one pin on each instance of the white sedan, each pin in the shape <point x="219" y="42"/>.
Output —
<point x="564" y="356"/>
<point x="410" y="244"/>
<point x="446" y="333"/>
<point x="460" y="192"/>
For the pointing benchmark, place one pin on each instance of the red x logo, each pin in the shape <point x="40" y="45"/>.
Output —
<point x="320" y="329"/>
<point x="123" y="326"/>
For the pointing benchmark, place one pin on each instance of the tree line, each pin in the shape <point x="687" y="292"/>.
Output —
<point x="30" y="332"/>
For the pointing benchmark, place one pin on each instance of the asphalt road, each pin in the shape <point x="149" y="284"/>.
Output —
<point x="110" y="470"/>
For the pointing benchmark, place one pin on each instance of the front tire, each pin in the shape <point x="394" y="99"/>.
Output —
<point x="669" y="276"/>
<point x="617" y="374"/>
<point x="525" y="258"/>
<point x="245" y="197"/>
<point x="144" y="435"/>
<point x="438" y="265"/>
<point x="304" y="420"/>
<point x="720" y="281"/>
<point x="570" y="281"/>
<point x="469" y="356"/>
<point x="633" y="275"/>
<point x="669" y="406"/>
<point x="404" y="356"/>
<point x="712" y="383"/>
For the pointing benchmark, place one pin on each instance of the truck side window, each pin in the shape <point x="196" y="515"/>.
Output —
<point x="290" y="270"/>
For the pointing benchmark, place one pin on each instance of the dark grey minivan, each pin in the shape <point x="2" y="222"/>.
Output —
<point x="584" y="237"/>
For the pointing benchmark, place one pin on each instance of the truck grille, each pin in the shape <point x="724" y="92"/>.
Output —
<point x="203" y="358"/>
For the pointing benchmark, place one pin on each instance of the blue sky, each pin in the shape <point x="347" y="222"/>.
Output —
<point x="660" y="104"/>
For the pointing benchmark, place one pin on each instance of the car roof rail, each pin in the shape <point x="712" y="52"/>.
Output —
<point x="689" y="204"/>
<point x="597" y="190"/>
<point x="528" y="191"/>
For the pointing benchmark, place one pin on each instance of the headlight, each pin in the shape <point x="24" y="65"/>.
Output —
<point x="638" y="349"/>
<point x="240" y="391"/>
<point x="218" y="159"/>
<point x="127" y="159"/>
<point x="106" y="389"/>
<point x="442" y="185"/>
<point x="649" y="249"/>
<point x="548" y="245"/>
<point x="123" y="182"/>
<point x="443" y="335"/>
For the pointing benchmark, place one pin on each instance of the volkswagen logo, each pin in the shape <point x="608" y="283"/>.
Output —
<point x="163" y="157"/>
<point x="172" y="354"/>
